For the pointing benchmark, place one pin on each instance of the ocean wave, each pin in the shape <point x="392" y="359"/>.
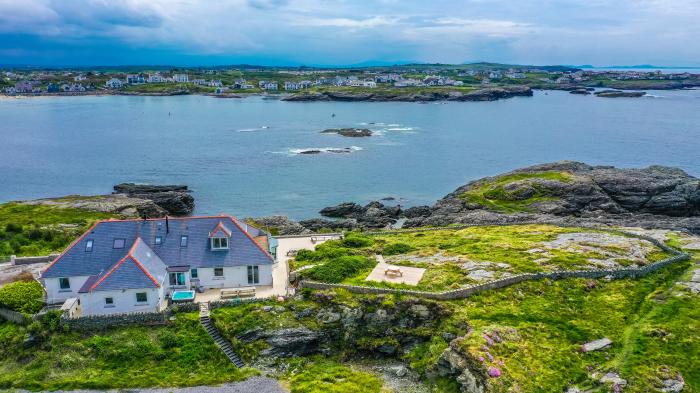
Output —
<point x="653" y="95"/>
<point x="400" y="129"/>
<point x="261" y="128"/>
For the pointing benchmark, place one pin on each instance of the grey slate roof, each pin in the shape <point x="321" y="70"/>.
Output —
<point x="75" y="261"/>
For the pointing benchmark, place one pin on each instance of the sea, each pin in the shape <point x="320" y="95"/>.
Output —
<point x="260" y="156"/>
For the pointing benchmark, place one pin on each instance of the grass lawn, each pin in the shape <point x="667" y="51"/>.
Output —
<point x="501" y="250"/>
<point x="41" y="229"/>
<point x="180" y="354"/>
<point x="323" y="375"/>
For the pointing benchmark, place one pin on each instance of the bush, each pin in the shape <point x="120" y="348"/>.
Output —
<point x="397" y="248"/>
<point x="338" y="269"/>
<point x="325" y="251"/>
<point x="357" y="240"/>
<point x="23" y="296"/>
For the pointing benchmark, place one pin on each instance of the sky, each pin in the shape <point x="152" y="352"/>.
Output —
<point x="349" y="32"/>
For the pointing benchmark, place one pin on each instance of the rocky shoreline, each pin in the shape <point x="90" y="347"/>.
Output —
<point x="130" y="200"/>
<point x="560" y="193"/>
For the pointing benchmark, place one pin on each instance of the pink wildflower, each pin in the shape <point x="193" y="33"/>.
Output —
<point x="494" y="372"/>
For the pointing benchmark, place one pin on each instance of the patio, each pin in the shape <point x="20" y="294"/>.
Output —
<point x="278" y="287"/>
<point x="394" y="273"/>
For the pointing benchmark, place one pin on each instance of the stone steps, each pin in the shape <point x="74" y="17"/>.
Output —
<point x="224" y="345"/>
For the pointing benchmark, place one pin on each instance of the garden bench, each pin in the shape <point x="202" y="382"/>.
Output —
<point x="237" y="292"/>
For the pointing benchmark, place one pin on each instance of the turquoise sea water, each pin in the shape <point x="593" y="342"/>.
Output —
<point x="240" y="155"/>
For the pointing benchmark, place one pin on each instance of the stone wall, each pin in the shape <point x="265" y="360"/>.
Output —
<point x="30" y="260"/>
<point x="100" y="322"/>
<point x="14" y="316"/>
<point x="467" y="291"/>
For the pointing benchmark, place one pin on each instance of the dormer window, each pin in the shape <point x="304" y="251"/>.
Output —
<point x="219" y="243"/>
<point x="219" y="237"/>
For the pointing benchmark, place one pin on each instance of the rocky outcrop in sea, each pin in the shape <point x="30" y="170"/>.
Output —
<point x="562" y="193"/>
<point x="486" y="94"/>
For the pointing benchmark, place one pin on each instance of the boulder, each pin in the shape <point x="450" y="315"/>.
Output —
<point x="619" y="93"/>
<point x="453" y="362"/>
<point x="343" y="210"/>
<point x="596" y="345"/>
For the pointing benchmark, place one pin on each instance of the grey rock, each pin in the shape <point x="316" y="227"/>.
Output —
<point x="399" y="371"/>
<point x="349" y="132"/>
<point x="596" y="345"/>
<point x="455" y="363"/>
<point x="291" y="342"/>
<point x="173" y="199"/>
<point x="327" y="316"/>
<point x="672" y="385"/>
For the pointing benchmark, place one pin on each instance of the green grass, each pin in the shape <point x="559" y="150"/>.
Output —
<point x="180" y="354"/>
<point x="553" y="319"/>
<point x="493" y="194"/>
<point x="319" y="375"/>
<point x="35" y="230"/>
<point x="511" y="245"/>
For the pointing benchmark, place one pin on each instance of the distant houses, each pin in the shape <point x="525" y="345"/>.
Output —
<point x="156" y="78"/>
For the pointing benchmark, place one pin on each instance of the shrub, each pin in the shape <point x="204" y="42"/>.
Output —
<point x="356" y="240"/>
<point x="325" y="251"/>
<point x="22" y="296"/>
<point x="397" y="248"/>
<point x="338" y="269"/>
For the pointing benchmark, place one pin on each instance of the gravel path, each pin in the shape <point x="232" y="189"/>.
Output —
<point x="250" y="385"/>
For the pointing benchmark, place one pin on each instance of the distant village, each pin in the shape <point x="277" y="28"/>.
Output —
<point x="222" y="81"/>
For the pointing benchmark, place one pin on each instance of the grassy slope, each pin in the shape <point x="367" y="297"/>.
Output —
<point x="34" y="229"/>
<point x="493" y="195"/>
<point x="180" y="354"/>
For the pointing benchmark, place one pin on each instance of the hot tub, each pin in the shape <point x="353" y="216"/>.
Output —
<point x="182" y="296"/>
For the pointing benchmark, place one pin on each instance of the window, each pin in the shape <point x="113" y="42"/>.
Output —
<point x="218" y="272"/>
<point x="219" y="243"/>
<point x="183" y="241"/>
<point x="141" y="297"/>
<point x="88" y="245"/>
<point x="177" y="278"/>
<point x="253" y="275"/>
<point x="109" y="302"/>
<point x="118" y="243"/>
<point x="159" y="240"/>
<point x="194" y="273"/>
<point x="64" y="283"/>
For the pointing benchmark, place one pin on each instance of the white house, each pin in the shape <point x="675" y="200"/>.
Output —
<point x="120" y="266"/>
<point x="180" y="78"/>
<point x="156" y="78"/>
<point x="114" y="83"/>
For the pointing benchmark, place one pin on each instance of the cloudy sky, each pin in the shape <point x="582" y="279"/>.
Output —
<point x="332" y="32"/>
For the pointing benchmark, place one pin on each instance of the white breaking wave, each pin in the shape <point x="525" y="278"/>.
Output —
<point x="400" y="129"/>
<point x="253" y="129"/>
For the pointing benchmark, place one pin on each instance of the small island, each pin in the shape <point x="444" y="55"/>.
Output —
<point x="349" y="132"/>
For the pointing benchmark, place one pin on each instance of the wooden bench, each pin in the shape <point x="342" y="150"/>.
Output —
<point x="237" y="292"/>
<point x="393" y="273"/>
